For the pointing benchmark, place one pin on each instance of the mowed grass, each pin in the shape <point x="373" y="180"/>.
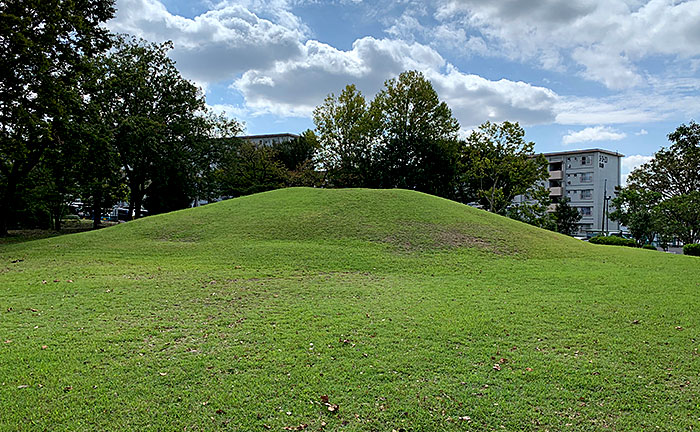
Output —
<point x="397" y="306"/>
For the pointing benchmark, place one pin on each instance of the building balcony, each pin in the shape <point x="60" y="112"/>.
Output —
<point x="556" y="175"/>
<point x="555" y="191"/>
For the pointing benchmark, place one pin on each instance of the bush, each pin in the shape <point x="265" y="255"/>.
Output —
<point x="613" y="241"/>
<point x="692" y="249"/>
<point x="649" y="246"/>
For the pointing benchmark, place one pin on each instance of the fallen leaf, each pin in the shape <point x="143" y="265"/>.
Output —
<point x="57" y="280"/>
<point x="44" y="346"/>
<point x="528" y="369"/>
<point x="8" y="340"/>
<point x="324" y="399"/>
<point x="333" y="407"/>
<point x="497" y="367"/>
<point x="679" y="328"/>
<point x="70" y="281"/>
<point x="22" y="386"/>
<point x="44" y="282"/>
<point x="33" y="310"/>
<point x="635" y="322"/>
<point x="466" y="418"/>
<point x="162" y="373"/>
<point x="67" y="388"/>
<point x="220" y="411"/>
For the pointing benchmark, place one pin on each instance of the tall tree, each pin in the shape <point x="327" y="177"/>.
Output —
<point x="346" y="139"/>
<point x="497" y="164"/>
<point x="152" y="111"/>
<point x="674" y="176"/>
<point x="44" y="46"/>
<point x="418" y="136"/>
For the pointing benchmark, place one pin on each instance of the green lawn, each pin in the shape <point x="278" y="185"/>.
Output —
<point x="397" y="306"/>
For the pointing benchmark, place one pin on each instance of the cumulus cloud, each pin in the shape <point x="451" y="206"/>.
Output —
<point x="217" y="45"/>
<point x="597" y="133"/>
<point x="630" y="163"/>
<point x="325" y="69"/>
<point x="605" y="38"/>
<point x="642" y="132"/>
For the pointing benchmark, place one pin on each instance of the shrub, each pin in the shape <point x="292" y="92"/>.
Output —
<point x="692" y="249"/>
<point x="649" y="246"/>
<point x="613" y="241"/>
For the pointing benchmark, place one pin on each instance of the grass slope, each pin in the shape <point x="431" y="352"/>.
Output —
<point x="395" y="305"/>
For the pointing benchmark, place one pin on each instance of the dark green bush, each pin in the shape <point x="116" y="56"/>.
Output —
<point x="692" y="249"/>
<point x="649" y="246"/>
<point x="613" y="241"/>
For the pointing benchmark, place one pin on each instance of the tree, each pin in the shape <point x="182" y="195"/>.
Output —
<point x="679" y="216"/>
<point x="497" y="164"/>
<point x="673" y="175"/>
<point x="417" y="136"/>
<point x="675" y="170"/>
<point x="251" y="168"/>
<point x="634" y="208"/>
<point x="534" y="208"/>
<point x="152" y="112"/>
<point x="344" y="129"/>
<point x="44" y="47"/>
<point x="566" y="217"/>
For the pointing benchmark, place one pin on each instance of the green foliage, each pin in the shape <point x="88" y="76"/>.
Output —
<point x="634" y="208"/>
<point x="497" y="164"/>
<point x="534" y="209"/>
<point x="46" y="45"/>
<point x="251" y="168"/>
<point x="679" y="216"/>
<point x="394" y="304"/>
<point x="649" y="246"/>
<point x="417" y="136"/>
<point x="672" y="177"/>
<point x="612" y="241"/>
<point x="692" y="249"/>
<point x="345" y="138"/>
<point x="566" y="217"/>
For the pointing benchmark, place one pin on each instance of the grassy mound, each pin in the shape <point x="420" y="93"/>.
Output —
<point x="344" y="309"/>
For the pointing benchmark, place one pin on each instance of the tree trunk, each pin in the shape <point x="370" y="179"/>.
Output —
<point x="57" y="218"/>
<point x="96" y="213"/>
<point x="6" y="204"/>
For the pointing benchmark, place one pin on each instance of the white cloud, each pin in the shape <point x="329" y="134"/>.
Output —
<point x="597" y="133"/>
<point x="605" y="38"/>
<point x="217" y="45"/>
<point x="370" y="62"/>
<point x="629" y="163"/>
<point x="642" y="132"/>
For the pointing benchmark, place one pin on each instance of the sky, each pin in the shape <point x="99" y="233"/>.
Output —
<point x="613" y="74"/>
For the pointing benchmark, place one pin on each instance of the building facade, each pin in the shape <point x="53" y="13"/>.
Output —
<point x="589" y="179"/>
<point x="269" y="139"/>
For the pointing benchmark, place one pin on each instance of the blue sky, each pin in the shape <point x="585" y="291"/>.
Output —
<point x="614" y="74"/>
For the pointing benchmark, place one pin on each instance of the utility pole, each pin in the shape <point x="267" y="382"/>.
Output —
<point x="602" y="218"/>
<point x="605" y="223"/>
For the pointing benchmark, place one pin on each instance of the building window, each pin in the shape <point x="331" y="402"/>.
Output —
<point x="585" y="211"/>
<point x="587" y="177"/>
<point x="586" y="160"/>
<point x="587" y="194"/>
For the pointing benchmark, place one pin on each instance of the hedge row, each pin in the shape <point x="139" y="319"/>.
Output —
<point x="613" y="241"/>
<point x="692" y="249"/>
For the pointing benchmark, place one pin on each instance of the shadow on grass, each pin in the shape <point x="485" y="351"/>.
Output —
<point x="69" y="227"/>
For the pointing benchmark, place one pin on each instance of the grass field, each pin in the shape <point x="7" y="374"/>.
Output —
<point x="345" y="310"/>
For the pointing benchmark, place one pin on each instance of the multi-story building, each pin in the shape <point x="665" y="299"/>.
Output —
<point x="269" y="139"/>
<point x="588" y="178"/>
